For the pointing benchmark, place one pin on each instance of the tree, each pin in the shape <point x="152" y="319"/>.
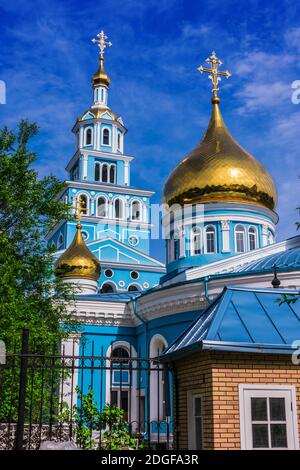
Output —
<point x="30" y="294"/>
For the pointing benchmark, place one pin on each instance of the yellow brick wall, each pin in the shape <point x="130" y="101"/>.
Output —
<point x="217" y="375"/>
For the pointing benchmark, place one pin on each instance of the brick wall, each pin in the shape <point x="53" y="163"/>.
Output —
<point x="217" y="375"/>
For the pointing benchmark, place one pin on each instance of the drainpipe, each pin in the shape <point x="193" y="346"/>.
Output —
<point x="145" y="323"/>
<point x="206" y="281"/>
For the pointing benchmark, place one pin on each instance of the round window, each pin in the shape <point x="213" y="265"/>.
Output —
<point x="85" y="234"/>
<point x="134" y="275"/>
<point x="133" y="240"/>
<point x="108" y="273"/>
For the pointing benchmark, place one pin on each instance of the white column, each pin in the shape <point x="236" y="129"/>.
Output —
<point x="126" y="173"/>
<point x="225" y="227"/>
<point x="70" y="347"/>
<point x="264" y="235"/>
<point x="114" y="139"/>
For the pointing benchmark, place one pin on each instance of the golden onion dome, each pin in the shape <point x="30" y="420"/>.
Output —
<point x="220" y="170"/>
<point x="100" y="77"/>
<point x="78" y="261"/>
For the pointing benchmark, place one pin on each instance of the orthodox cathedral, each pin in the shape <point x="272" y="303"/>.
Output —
<point x="221" y="226"/>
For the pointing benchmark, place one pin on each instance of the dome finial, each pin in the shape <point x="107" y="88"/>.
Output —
<point x="101" y="76"/>
<point x="214" y="74"/>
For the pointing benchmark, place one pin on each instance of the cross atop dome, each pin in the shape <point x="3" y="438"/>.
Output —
<point x="101" y="42"/>
<point x="214" y="74"/>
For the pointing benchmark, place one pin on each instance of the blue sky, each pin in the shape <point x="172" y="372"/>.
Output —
<point x="47" y="60"/>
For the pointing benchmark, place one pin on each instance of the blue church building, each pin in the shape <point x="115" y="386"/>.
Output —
<point x="220" y="225"/>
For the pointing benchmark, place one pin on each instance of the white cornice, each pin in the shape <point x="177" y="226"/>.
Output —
<point x="97" y="153"/>
<point x="109" y="188"/>
<point x="233" y="262"/>
<point x="102" y="313"/>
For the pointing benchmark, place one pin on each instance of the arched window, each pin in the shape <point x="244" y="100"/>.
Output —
<point x="106" y="136"/>
<point x="84" y="202"/>
<point x="252" y="238"/>
<point x="120" y="353"/>
<point x="157" y="390"/>
<point x="104" y="178"/>
<point x="107" y="287"/>
<point x="240" y="239"/>
<point x="210" y="234"/>
<point x="119" y="141"/>
<point x="133" y="288"/>
<point x="270" y="237"/>
<point x="112" y="174"/>
<point x="176" y="248"/>
<point x="88" y="136"/>
<point x="196" y="241"/>
<point x="97" y="172"/>
<point x="136" y="210"/>
<point x="119" y="209"/>
<point x="101" y="207"/>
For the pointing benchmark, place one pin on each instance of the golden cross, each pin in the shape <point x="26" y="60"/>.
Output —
<point x="101" y="43"/>
<point x="80" y="207"/>
<point x="214" y="73"/>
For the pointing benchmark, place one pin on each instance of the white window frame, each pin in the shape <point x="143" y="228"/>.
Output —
<point x="246" y="391"/>
<point x="196" y="231"/>
<point x="102" y="136"/>
<point x="87" y="203"/>
<point x="215" y="240"/>
<point x="123" y="208"/>
<point x="191" y="395"/>
<point x="255" y="235"/>
<point x="101" y="196"/>
<point x="140" y="210"/>
<point x="235" y="240"/>
<point x="84" y="136"/>
<point x="112" y="165"/>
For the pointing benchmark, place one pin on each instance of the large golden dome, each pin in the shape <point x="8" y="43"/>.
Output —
<point x="78" y="261"/>
<point x="220" y="170"/>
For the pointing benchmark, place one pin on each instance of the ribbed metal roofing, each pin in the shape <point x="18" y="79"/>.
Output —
<point x="289" y="259"/>
<point x="244" y="319"/>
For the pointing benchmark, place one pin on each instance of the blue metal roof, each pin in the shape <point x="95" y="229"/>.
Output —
<point x="287" y="260"/>
<point x="243" y="319"/>
<point x="110" y="297"/>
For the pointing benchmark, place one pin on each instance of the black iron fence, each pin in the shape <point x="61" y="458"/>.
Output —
<point x="115" y="402"/>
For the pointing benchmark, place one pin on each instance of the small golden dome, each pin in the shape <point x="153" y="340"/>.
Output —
<point x="78" y="261"/>
<point x="220" y="170"/>
<point x="100" y="77"/>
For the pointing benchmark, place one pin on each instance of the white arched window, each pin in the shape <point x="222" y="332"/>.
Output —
<point x="106" y="136"/>
<point x="196" y="242"/>
<point x="119" y="208"/>
<point x="270" y="237"/>
<point x="101" y="207"/>
<point x="119" y="141"/>
<point x="88" y="136"/>
<point x="112" y="174"/>
<point x="136" y="210"/>
<point x="108" y="287"/>
<point x="104" y="173"/>
<point x="157" y="406"/>
<point x="210" y="239"/>
<point x="252" y="238"/>
<point x="240" y="239"/>
<point x="97" y="171"/>
<point x="85" y="203"/>
<point x="134" y="288"/>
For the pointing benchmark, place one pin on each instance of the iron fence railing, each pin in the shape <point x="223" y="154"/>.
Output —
<point x="100" y="402"/>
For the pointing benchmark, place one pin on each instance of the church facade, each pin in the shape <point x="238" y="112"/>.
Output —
<point x="221" y="226"/>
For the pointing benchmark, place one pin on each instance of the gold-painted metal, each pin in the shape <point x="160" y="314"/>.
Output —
<point x="100" y="76"/>
<point x="78" y="261"/>
<point x="220" y="170"/>
<point x="97" y="111"/>
<point x="214" y="74"/>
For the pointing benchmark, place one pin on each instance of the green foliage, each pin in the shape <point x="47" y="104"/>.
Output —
<point x="86" y="419"/>
<point x="29" y="206"/>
